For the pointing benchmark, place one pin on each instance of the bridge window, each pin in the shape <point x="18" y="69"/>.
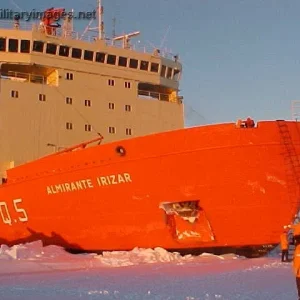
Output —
<point x="2" y="44"/>
<point x="88" y="55"/>
<point x="169" y="73"/>
<point x="25" y="46"/>
<point x="154" y="67"/>
<point x="64" y="51"/>
<point x="122" y="61"/>
<point x="13" y="45"/>
<point x="176" y="74"/>
<point x="38" y="46"/>
<point x="51" y="48"/>
<point x="163" y="71"/>
<point x="144" y="65"/>
<point x="100" y="57"/>
<point x="133" y="63"/>
<point x="76" y="53"/>
<point x="111" y="59"/>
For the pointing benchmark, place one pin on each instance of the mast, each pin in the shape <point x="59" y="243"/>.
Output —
<point x="68" y="26"/>
<point x="100" y="20"/>
<point x="114" y="28"/>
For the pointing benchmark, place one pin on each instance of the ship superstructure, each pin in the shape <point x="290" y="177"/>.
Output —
<point x="59" y="88"/>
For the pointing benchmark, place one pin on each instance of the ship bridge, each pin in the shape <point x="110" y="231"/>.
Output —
<point x="25" y="42"/>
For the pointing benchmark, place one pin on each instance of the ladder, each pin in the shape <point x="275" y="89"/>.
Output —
<point x="292" y="166"/>
<point x="292" y="163"/>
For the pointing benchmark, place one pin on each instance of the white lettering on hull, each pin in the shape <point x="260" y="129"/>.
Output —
<point x="85" y="184"/>
<point x="114" y="179"/>
<point x="6" y="213"/>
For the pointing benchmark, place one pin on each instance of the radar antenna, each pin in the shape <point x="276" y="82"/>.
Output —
<point x="125" y="38"/>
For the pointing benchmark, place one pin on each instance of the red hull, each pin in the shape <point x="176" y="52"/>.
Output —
<point x="245" y="182"/>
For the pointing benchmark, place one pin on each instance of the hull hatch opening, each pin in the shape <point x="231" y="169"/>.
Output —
<point x="187" y="221"/>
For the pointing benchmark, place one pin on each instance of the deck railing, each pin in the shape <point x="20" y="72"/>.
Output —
<point x="9" y="24"/>
<point x="159" y="96"/>
<point x="23" y="77"/>
<point x="75" y="35"/>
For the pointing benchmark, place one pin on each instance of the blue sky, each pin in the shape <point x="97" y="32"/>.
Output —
<point x="240" y="57"/>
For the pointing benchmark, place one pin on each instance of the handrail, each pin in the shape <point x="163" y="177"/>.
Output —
<point x="34" y="78"/>
<point x="160" y="96"/>
<point x="155" y="95"/>
<point x="9" y="24"/>
<point x="76" y="147"/>
<point x="75" y="35"/>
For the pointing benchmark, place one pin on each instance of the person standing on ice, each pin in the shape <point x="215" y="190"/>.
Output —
<point x="284" y="245"/>
<point x="296" y="263"/>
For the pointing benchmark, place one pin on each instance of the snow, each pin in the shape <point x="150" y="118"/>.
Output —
<point x="31" y="271"/>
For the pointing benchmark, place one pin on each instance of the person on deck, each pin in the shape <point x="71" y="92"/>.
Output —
<point x="249" y="123"/>
<point x="284" y="245"/>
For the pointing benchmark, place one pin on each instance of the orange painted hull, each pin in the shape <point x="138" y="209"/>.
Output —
<point x="95" y="199"/>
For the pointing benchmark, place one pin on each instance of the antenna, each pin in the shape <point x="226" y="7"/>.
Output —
<point x="165" y="37"/>
<point x="100" y="27"/>
<point x="86" y="29"/>
<point x="163" y="51"/>
<point x="16" y="16"/>
<point x="114" y="28"/>
<point x="16" y="5"/>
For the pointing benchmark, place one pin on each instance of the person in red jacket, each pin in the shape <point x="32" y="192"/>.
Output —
<point x="249" y="123"/>
<point x="284" y="245"/>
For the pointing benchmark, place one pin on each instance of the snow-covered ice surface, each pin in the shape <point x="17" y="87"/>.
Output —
<point x="33" y="272"/>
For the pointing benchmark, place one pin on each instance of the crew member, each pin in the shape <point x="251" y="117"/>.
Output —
<point x="284" y="245"/>
<point x="296" y="263"/>
<point x="249" y="123"/>
<point x="17" y="21"/>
